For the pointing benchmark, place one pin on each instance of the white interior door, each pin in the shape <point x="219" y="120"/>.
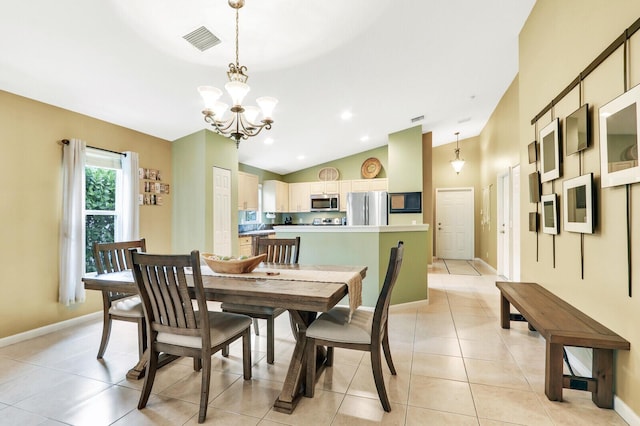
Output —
<point x="504" y="224"/>
<point x="454" y="223"/>
<point x="515" y="223"/>
<point x="222" y="211"/>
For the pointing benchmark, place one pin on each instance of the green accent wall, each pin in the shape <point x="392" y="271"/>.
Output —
<point x="262" y="174"/>
<point x="371" y="249"/>
<point x="412" y="284"/>
<point x="193" y="159"/>
<point x="348" y="167"/>
<point x="405" y="162"/>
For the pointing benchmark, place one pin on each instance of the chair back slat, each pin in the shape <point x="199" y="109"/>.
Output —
<point x="115" y="257"/>
<point x="164" y="289"/>
<point x="279" y="250"/>
<point x="381" y="312"/>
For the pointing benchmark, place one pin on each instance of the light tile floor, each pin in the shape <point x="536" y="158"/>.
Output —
<point x="455" y="365"/>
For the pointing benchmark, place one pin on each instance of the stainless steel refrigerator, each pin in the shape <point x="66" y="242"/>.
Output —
<point x="367" y="208"/>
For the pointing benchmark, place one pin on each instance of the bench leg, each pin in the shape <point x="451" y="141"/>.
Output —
<point x="505" y="311"/>
<point x="553" y="375"/>
<point x="602" y="370"/>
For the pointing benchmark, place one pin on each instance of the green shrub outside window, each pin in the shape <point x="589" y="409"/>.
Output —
<point x="100" y="210"/>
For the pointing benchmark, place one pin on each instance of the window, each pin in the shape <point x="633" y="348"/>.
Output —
<point x="103" y="201"/>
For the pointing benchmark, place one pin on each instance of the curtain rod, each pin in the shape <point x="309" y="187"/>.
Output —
<point x="592" y="66"/>
<point x="66" y="142"/>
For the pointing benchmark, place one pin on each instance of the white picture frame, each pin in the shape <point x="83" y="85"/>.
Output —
<point x="577" y="202"/>
<point x="550" y="214"/>
<point x="619" y="129"/>
<point x="549" y="140"/>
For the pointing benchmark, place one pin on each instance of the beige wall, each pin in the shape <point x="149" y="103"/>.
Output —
<point x="499" y="149"/>
<point x="486" y="156"/>
<point x="444" y="176"/>
<point x="558" y="41"/>
<point x="30" y="177"/>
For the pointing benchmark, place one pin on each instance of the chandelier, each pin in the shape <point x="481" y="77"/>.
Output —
<point x="241" y="124"/>
<point x="457" y="163"/>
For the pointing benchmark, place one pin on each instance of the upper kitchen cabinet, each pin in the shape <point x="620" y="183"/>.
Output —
<point x="247" y="191"/>
<point x="345" y="188"/>
<point x="364" y="185"/>
<point x="324" y="187"/>
<point x="275" y="196"/>
<point x="299" y="197"/>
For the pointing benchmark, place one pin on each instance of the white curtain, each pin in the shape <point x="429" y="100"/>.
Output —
<point x="72" y="233"/>
<point x="131" y="188"/>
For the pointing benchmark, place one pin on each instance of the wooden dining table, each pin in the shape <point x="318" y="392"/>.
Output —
<point x="303" y="300"/>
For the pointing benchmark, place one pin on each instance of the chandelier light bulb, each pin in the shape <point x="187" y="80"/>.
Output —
<point x="267" y="105"/>
<point x="237" y="91"/>
<point x="251" y="113"/>
<point x="219" y="108"/>
<point x="209" y="95"/>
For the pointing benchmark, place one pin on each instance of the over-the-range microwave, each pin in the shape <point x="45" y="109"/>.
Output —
<point x="325" y="202"/>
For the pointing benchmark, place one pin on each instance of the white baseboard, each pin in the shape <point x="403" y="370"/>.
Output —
<point x="581" y="369"/>
<point x="41" y="331"/>
<point x="627" y="414"/>
<point x="491" y="268"/>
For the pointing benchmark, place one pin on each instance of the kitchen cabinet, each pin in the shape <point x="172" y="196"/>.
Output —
<point x="299" y="197"/>
<point x="245" y="244"/>
<point x="344" y="189"/>
<point x="247" y="191"/>
<point x="324" y="187"/>
<point x="275" y="196"/>
<point x="364" y="185"/>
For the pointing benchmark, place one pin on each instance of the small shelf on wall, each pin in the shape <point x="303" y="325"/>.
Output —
<point x="152" y="189"/>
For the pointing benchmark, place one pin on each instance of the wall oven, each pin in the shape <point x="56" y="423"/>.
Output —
<point x="325" y="202"/>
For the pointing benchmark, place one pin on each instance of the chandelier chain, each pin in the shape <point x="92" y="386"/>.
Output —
<point x="237" y="49"/>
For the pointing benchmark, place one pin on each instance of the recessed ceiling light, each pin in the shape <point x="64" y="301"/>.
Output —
<point x="346" y="115"/>
<point x="268" y="141"/>
<point x="300" y="157"/>
<point x="365" y="138"/>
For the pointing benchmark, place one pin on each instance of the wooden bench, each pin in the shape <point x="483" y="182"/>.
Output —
<point x="563" y="325"/>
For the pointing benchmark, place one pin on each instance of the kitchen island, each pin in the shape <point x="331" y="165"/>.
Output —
<point x="369" y="246"/>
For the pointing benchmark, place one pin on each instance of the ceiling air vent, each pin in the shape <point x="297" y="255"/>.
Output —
<point x="202" y="39"/>
<point x="416" y="119"/>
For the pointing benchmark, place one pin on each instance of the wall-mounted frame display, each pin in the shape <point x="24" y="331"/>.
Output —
<point x="619" y="130"/>
<point x="577" y="130"/>
<point x="532" y="149"/>
<point x="533" y="222"/>
<point x="577" y="201"/>
<point x="534" y="187"/>
<point x="550" y="214"/>
<point x="550" y="151"/>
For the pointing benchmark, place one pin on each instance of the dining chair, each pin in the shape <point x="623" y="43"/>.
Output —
<point x="281" y="251"/>
<point x="114" y="257"/>
<point x="175" y="327"/>
<point x="367" y="331"/>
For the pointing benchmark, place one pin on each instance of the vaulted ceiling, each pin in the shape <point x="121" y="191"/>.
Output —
<point x="384" y="61"/>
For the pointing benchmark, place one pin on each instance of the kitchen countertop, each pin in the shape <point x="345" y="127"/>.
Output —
<point x="347" y="228"/>
<point x="261" y="232"/>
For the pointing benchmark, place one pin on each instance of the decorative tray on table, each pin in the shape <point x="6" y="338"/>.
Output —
<point x="229" y="265"/>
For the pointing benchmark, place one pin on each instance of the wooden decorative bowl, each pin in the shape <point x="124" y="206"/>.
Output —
<point x="232" y="266"/>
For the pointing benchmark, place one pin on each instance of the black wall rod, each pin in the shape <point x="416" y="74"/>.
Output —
<point x="66" y="142"/>
<point x="592" y="66"/>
